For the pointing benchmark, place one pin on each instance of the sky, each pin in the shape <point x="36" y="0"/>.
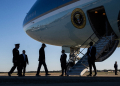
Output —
<point x="12" y="14"/>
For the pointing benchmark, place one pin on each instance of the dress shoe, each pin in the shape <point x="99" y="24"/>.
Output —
<point x="20" y="75"/>
<point x="48" y="74"/>
<point x="61" y="75"/>
<point x="37" y="75"/>
<point x="9" y="74"/>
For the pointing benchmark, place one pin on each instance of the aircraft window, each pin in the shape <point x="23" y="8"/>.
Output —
<point x="119" y="21"/>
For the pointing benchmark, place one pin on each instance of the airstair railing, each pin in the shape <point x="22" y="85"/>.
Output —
<point x="111" y="40"/>
<point x="70" y="60"/>
<point x="80" y="52"/>
<point x="91" y="38"/>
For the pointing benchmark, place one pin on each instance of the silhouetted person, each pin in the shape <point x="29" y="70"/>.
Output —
<point x="24" y="60"/>
<point x="42" y="60"/>
<point x="19" y="66"/>
<point x="15" y="60"/>
<point x="63" y="62"/>
<point x="116" y="66"/>
<point x="91" y="52"/>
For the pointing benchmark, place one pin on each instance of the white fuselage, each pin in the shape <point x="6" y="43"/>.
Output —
<point x="54" y="26"/>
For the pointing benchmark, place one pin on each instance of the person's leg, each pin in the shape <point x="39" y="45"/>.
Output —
<point x="24" y="69"/>
<point x="65" y="70"/>
<point x="62" y="71"/>
<point x="90" y="68"/>
<point x="13" y="68"/>
<point x="115" y="71"/>
<point x="45" y="67"/>
<point x="20" y="69"/>
<point x="39" y="67"/>
<point x="93" y="64"/>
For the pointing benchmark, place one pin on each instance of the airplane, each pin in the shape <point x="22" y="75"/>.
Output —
<point x="72" y="24"/>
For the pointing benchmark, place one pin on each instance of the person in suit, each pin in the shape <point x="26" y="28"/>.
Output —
<point x="91" y="52"/>
<point x="42" y="60"/>
<point x="15" y="60"/>
<point x="24" y="61"/>
<point x="63" y="62"/>
<point x="116" y="66"/>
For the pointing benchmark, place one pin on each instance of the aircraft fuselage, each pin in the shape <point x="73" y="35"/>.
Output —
<point x="70" y="22"/>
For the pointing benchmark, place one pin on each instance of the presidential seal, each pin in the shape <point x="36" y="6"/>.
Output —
<point x="78" y="18"/>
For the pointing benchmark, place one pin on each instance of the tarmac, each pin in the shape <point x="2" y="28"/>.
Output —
<point x="59" y="81"/>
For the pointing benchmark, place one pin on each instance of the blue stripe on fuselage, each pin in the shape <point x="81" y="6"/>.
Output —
<point x="42" y="6"/>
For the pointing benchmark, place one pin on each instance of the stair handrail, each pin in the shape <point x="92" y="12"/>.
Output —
<point x="80" y="52"/>
<point x="112" y="35"/>
<point x="83" y="43"/>
<point x="92" y="39"/>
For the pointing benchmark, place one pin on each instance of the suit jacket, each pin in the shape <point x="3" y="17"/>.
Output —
<point x="115" y="66"/>
<point x="23" y="60"/>
<point x="63" y="59"/>
<point x="91" y="54"/>
<point x="15" y="55"/>
<point x="41" y="54"/>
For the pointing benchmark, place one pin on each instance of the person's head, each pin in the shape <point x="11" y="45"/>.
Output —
<point x="91" y="43"/>
<point x="115" y="62"/>
<point x="43" y="45"/>
<point x="63" y="51"/>
<point x="17" y="46"/>
<point x="23" y="51"/>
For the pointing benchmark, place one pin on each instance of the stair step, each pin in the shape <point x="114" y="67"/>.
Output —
<point x="77" y="73"/>
<point x="98" y="45"/>
<point x="99" y="48"/>
<point x="103" y="41"/>
<point x="82" y="65"/>
<point x="78" y="69"/>
<point x="74" y="74"/>
<point x="82" y="61"/>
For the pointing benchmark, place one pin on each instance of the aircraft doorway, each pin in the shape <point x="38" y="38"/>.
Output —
<point x="99" y="21"/>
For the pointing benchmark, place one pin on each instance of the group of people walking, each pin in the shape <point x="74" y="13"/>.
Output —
<point x="21" y="60"/>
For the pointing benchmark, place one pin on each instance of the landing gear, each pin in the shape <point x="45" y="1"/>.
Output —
<point x="73" y="58"/>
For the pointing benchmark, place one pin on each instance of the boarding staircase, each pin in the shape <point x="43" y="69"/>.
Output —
<point x="105" y="46"/>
